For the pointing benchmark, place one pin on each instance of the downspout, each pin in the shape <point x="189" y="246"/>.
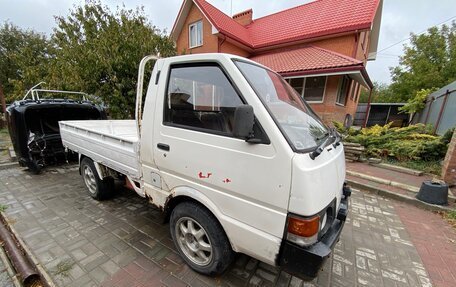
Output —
<point x="21" y="263"/>
<point x="368" y="108"/>
<point x="355" y="49"/>
<point x="220" y="43"/>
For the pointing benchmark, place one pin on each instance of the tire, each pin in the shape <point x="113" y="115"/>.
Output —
<point x="34" y="167"/>
<point x="206" y="236"/>
<point x="98" y="189"/>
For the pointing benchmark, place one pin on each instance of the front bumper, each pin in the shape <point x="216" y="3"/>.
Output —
<point x="305" y="262"/>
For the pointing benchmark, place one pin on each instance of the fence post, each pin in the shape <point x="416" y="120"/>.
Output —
<point x="441" y="111"/>
<point x="429" y="110"/>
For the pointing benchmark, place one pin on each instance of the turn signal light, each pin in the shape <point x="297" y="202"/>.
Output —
<point x="304" y="227"/>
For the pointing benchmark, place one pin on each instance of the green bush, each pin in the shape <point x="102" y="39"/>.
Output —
<point x="415" y="142"/>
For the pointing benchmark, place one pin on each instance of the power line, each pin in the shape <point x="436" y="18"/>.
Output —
<point x="390" y="55"/>
<point x="392" y="45"/>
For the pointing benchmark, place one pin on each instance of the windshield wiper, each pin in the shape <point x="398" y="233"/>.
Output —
<point x="337" y="138"/>
<point x="332" y="134"/>
<point x="323" y="136"/>
<point x="319" y="149"/>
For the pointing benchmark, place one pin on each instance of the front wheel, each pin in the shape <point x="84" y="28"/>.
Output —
<point x="200" y="239"/>
<point x="98" y="189"/>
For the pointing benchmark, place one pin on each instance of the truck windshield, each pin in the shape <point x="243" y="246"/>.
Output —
<point x="299" y="124"/>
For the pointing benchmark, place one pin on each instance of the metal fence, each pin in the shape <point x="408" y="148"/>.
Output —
<point x="440" y="109"/>
<point x="380" y="114"/>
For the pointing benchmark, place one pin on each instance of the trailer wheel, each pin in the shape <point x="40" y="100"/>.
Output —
<point x="200" y="239"/>
<point x="97" y="188"/>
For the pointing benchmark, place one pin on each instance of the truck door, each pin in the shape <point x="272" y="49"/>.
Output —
<point x="194" y="148"/>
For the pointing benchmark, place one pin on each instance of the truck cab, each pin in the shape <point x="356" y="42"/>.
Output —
<point x="237" y="160"/>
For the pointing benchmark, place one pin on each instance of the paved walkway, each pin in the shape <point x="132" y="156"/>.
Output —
<point x="435" y="241"/>
<point x="121" y="242"/>
<point x="5" y="279"/>
<point x="433" y="237"/>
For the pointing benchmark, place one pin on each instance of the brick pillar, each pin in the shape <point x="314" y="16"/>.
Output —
<point x="449" y="164"/>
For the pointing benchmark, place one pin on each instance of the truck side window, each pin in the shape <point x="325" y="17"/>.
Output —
<point x="202" y="97"/>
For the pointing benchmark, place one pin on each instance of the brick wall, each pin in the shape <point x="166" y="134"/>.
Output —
<point x="343" y="44"/>
<point x="227" y="47"/>
<point x="346" y="45"/>
<point x="329" y="111"/>
<point x="449" y="164"/>
<point x="210" y="42"/>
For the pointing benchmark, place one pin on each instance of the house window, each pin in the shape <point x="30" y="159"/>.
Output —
<point x="297" y="84"/>
<point x="354" y="89"/>
<point x="344" y="85"/>
<point x="311" y="88"/>
<point x="195" y="32"/>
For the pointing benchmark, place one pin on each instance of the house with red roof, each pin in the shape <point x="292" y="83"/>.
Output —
<point x="321" y="48"/>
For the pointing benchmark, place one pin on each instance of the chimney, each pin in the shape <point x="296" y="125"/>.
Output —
<point x="244" y="18"/>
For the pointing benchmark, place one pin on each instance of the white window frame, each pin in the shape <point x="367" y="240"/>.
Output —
<point x="304" y="87"/>
<point x="195" y="25"/>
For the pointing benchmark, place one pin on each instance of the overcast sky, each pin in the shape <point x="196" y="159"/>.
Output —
<point x="400" y="17"/>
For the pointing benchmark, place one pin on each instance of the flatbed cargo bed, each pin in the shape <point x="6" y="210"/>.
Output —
<point x="113" y="143"/>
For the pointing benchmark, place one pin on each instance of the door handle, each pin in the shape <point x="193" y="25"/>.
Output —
<point x="163" y="146"/>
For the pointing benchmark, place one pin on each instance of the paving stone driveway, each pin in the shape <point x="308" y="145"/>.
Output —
<point x="122" y="242"/>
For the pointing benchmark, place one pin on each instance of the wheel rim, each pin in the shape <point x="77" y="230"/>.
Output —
<point x="89" y="179"/>
<point x="193" y="241"/>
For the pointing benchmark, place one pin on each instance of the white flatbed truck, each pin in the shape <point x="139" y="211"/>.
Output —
<point x="235" y="158"/>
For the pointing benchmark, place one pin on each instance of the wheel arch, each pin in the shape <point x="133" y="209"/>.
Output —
<point x="101" y="169"/>
<point x="187" y="194"/>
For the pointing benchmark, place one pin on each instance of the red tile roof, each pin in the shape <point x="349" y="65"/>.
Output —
<point x="224" y="23"/>
<point x="309" y="58"/>
<point x="314" y="19"/>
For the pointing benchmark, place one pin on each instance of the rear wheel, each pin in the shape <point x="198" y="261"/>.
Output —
<point x="200" y="239"/>
<point x="98" y="189"/>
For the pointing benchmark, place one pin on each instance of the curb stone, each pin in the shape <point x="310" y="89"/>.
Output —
<point x="7" y="165"/>
<point x="383" y="181"/>
<point x="398" y="168"/>
<point x="403" y="186"/>
<point x="407" y="199"/>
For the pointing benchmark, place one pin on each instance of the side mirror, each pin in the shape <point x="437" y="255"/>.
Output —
<point x="348" y="121"/>
<point x="243" y="122"/>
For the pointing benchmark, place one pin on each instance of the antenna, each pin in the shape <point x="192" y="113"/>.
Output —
<point x="231" y="8"/>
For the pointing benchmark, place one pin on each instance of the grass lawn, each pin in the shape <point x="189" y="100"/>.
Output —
<point x="433" y="167"/>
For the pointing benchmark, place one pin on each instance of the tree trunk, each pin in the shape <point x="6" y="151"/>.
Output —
<point x="2" y="99"/>
<point x="3" y="110"/>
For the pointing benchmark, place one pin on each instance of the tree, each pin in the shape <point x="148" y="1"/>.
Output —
<point x="24" y="60"/>
<point x="417" y="102"/>
<point x="98" y="52"/>
<point x="381" y="93"/>
<point x="428" y="61"/>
